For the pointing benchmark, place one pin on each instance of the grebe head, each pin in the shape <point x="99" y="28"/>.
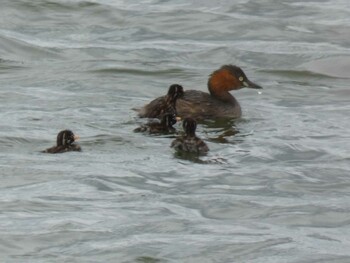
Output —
<point x="229" y="77"/>
<point x="189" y="126"/>
<point x="66" y="137"/>
<point x="176" y="91"/>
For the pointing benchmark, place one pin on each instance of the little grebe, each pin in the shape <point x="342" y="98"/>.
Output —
<point x="65" y="140"/>
<point x="190" y="142"/>
<point x="164" y="126"/>
<point x="166" y="105"/>
<point x="218" y="104"/>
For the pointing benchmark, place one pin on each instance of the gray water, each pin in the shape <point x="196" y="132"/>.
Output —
<point x="276" y="191"/>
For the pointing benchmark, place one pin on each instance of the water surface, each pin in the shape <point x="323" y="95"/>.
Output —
<point x="275" y="185"/>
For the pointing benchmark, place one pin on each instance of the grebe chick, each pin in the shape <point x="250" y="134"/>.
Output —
<point x="164" y="126"/>
<point x="166" y="105"/>
<point x="65" y="143"/>
<point x="190" y="142"/>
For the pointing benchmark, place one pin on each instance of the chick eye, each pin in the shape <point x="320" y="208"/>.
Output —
<point x="241" y="78"/>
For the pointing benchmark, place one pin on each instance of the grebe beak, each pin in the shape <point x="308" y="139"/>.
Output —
<point x="76" y="137"/>
<point x="250" y="84"/>
<point x="178" y="118"/>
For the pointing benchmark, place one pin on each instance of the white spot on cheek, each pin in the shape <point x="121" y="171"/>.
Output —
<point x="240" y="79"/>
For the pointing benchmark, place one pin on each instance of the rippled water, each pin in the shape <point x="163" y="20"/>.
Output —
<point x="276" y="191"/>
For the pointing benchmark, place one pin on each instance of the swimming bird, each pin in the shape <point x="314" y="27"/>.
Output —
<point x="218" y="103"/>
<point x="189" y="142"/>
<point x="166" y="105"/>
<point x="164" y="126"/>
<point x="65" y="143"/>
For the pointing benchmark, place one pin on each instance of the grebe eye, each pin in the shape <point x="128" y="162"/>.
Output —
<point x="241" y="78"/>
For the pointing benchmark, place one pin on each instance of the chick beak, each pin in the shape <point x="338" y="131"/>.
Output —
<point x="178" y="118"/>
<point x="250" y="84"/>
<point x="76" y="137"/>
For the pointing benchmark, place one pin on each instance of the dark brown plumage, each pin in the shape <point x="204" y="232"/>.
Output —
<point x="218" y="103"/>
<point x="64" y="143"/>
<point x="164" y="126"/>
<point x="166" y="105"/>
<point x="190" y="142"/>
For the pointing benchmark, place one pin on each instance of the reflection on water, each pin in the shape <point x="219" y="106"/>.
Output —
<point x="274" y="185"/>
